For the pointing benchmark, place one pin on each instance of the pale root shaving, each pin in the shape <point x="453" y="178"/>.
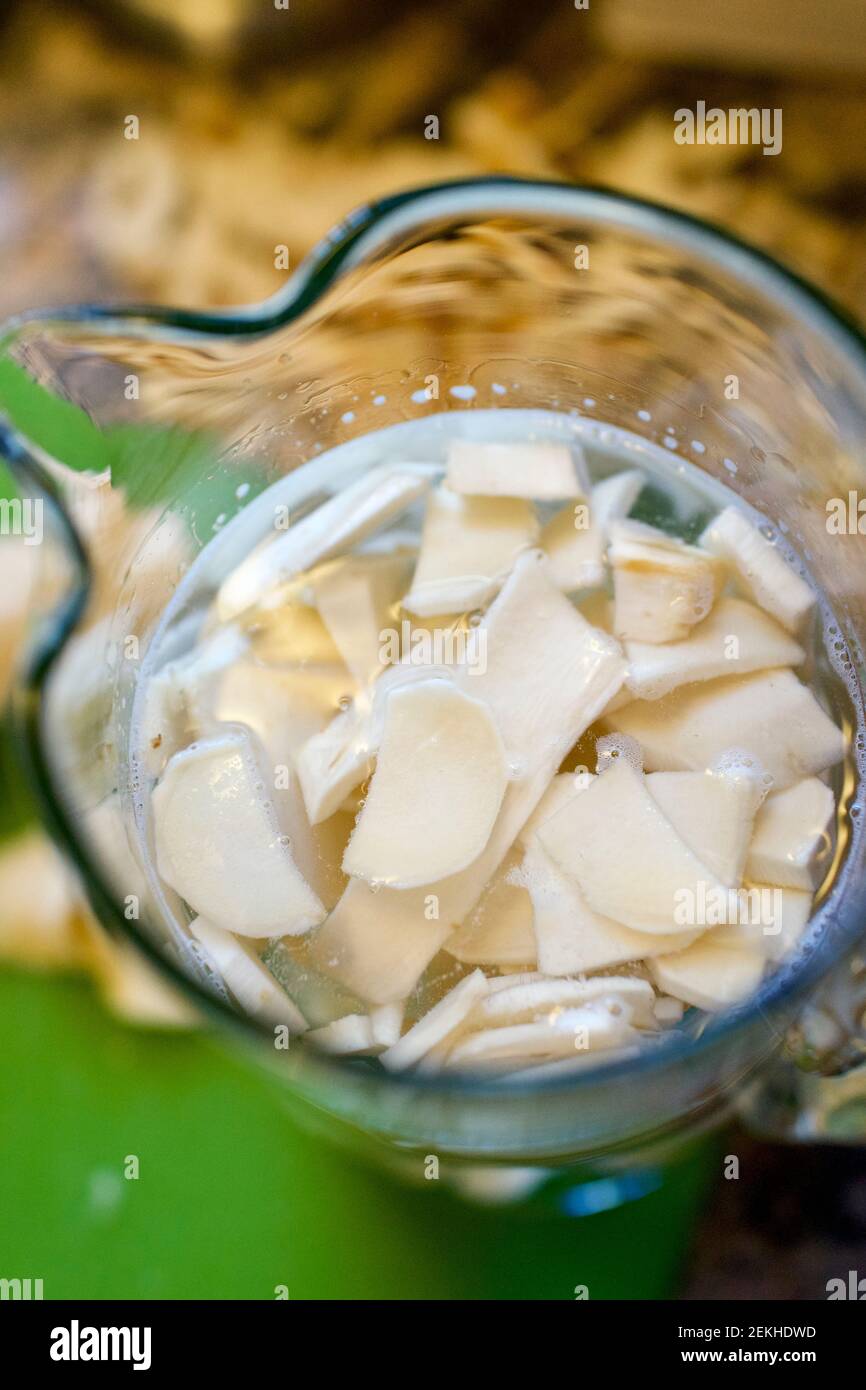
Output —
<point x="707" y="976"/>
<point x="762" y="572"/>
<point x="570" y="938"/>
<point x="285" y="707"/>
<point x="357" y="599"/>
<point x="735" y="639"/>
<point x="358" y="510"/>
<point x="575" y="539"/>
<point x="792" y="836"/>
<point x="770" y="714"/>
<point x="331" y="764"/>
<point x="548" y="673"/>
<point x="468" y="546"/>
<point x="569" y="1032"/>
<point x="662" y="587"/>
<point x="628" y="861"/>
<point x="219" y="843"/>
<point x="498" y="931"/>
<point x="251" y="983"/>
<point x="546" y="472"/>
<point x="522" y="1003"/>
<point x="440" y="778"/>
<point x="351" y="1035"/>
<point x="378" y="944"/>
<point x="712" y="814"/>
<point x="437" y="1024"/>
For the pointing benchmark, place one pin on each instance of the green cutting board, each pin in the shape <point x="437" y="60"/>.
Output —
<point x="233" y="1200"/>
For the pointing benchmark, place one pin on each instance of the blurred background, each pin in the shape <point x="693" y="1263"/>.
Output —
<point x="264" y="125"/>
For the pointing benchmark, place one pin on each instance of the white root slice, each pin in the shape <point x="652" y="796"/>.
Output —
<point x="709" y="976"/>
<point x="498" y="931"/>
<point x="387" y="1023"/>
<point x="791" y="836"/>
<point x="570" y="938"/>
<point x="440" y="778"/>
<point x="181" y="698"/>
<point x="284" y="706"/>
<point x="770" y="714"/>
<point x="623" y="852"/>
<point x="261" y="698"/>
<point x="468" y="546"/>
<point x="548" y="674"/>
<point x="357" y="599"/>
<point x="523" y="1003"/>
<point x="569" y="1032"/>
<point x="437" y="1024"/>
<point x="378" y="944"/>
<point x="735" y="639"/>
<point x="771" y="920"/>
<point x="546" y="472"/>
<point x="331" y="764"/>
<point x="346" y="518"/>
<point x="763" y="573"/>
<point x="713" y="814"/>
<point x="662" y="587"/>
<point x="351" y="1035"/>
<point x="576" y="552"/>
<point x="219" y="843"/>
<point x="334" y="762"/>
<point x="597" y="608"/>
<point x="251" y="983"/>
<point x="562" y="789"/>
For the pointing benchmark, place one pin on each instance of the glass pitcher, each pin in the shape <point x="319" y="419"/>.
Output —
<point x="517" y="294"/>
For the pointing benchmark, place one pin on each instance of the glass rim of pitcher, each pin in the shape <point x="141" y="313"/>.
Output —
<point x="351" y="244"/>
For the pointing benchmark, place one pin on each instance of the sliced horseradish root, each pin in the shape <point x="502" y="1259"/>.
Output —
<point x="791" y="836"/>
<point x="361" y="508"/>
<point x="528" y="779"/>
<point x="763" y="574"/>
<point x="219" y="844"/>
<point x="771" y="714"/>
<point x="355" y="598"/>
<point x="468" y="547"/>
<point x="662" y="587"/>
<point x="439" y="782"/>
<point x="251" y="983"/>
<point x="713" y="814"/>
<point x="707" y="976"/>
<point x="624" y="854"/>
<point x="735" y="639"/>
<point x="575" y="540"/>
<point x="546" y="472"/>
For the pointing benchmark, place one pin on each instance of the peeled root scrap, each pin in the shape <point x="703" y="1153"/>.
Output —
<point x="436" y="792"/>
<point x="542" y="471"/>
<point x="792" y="836"/>
<point x="348" y="517"/>
<point x="468" y="546"/>
<point x="713" y="814"/>
<point x="437" y="1024"/>
<point x="251" y="983"/>
<point x="709" y="976"/>
<point x="736" y="639"/>
<point x="763" y="573"/>
<point x="219" y="844"/>
<point x="630" y="864"/>
<point x="575" y="540"/>
<point x="662" y="587"/>
<point x="769" y="714"/>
